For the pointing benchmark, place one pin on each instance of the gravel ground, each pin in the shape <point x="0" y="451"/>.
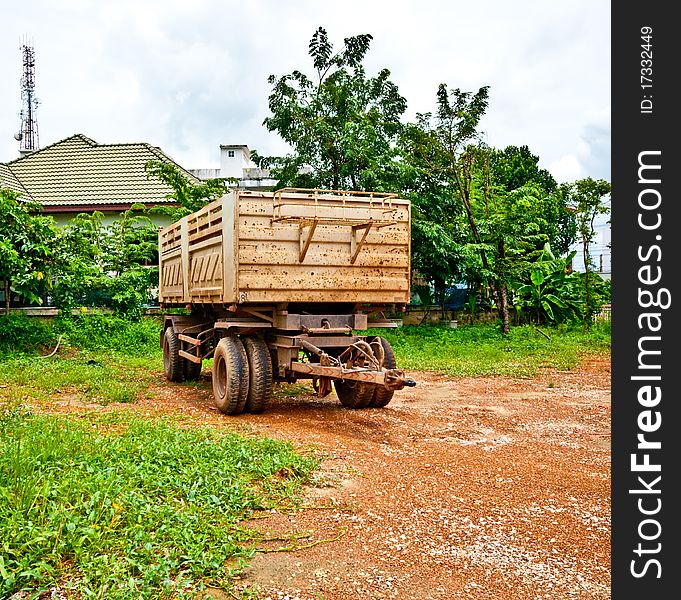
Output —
<point x="460" y="488"/>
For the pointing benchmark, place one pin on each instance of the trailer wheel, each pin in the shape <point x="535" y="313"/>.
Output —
<point x="192" y="370"/>
<point x="172" y="361"/>
<point x="381" y="397"/>
<point x="260" y="374"/>
<point x="353" y="394"/>
<point x="230" y="376"/>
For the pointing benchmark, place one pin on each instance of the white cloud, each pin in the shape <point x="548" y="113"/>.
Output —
<point x="188" y="76"/>
<point x="567" y="168"/>
<point x="591" y="156"/>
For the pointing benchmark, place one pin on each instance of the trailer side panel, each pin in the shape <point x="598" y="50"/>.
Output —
<point x="289" y="246"/>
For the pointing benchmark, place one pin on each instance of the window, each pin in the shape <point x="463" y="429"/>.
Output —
<point x="230" y="153"/>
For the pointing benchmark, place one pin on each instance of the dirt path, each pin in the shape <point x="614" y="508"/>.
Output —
<point x="460" y="488"/>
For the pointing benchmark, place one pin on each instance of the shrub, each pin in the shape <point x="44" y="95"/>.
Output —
<point x="20" y="333"/>
<point x="109" y="332"/>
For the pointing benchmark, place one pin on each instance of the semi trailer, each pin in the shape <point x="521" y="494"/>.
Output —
<point x="280" y="286"/>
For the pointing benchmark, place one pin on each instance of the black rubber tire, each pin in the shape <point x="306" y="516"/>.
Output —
<point x="353" y="394"/>
<point x="260" y="374"/>
<point x="192" y="370"/>
<point x="172" y="361"/>
<point x="230" y="376"/>
<point x="381" y="397"/>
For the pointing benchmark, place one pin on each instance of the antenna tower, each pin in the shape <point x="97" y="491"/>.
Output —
<point x="28" y="134"/>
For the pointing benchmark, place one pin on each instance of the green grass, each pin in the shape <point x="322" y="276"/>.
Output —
<point x="105" y="359"/>
<point x="114" y="507"/>
<point x="109" y="505"/>
<point x="89" y="377"/>
<point x="106" y="332"/>
<point x="20" y="334"/>
<point x="476" y="350"/>
<point x="101" y="358"/>
<point x="291" y="390"/>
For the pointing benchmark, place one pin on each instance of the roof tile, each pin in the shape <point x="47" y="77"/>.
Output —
<point x="78" y="171"/>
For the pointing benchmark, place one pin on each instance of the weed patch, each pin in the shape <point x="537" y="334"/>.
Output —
<point x="106" y="332"/>
<point x="20" y="334"/>
<point x="132" y="509"/>
<point x="99" y="378"/>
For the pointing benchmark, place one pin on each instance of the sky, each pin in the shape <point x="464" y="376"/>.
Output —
<point x="189" y="76"/>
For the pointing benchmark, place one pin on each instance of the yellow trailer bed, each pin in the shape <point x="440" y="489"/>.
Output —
<point x="286" y="246"/>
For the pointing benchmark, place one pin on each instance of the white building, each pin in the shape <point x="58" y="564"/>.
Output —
<point x="235" y="161"/>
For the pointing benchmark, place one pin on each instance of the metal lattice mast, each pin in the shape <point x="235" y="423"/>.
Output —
<point x="28" y="135"/>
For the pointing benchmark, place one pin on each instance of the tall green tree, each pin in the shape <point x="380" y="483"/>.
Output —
<point x="514" y="228"/>
<point x="130" y="241"/>
<point x="25" y="247"/>
<point x="494" y="210"/>
<point x="516" y="166"/>
<point x="131" y="261"/>
<point x="440" y="158"/>
<point x="341" y="124"/>
<point x="588" y="197"/>
<point x="522" y="212"/>
<point x="79" y="264"/>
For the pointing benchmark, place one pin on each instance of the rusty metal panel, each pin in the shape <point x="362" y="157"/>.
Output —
<point x="299" y="246"/>
<point x="230" y="222"/>
<point x="289" y="246"/>
<point x="205" y="251"/>
<point x="171" y="273"/>
<point x="170" y="277"/>
<point x="206" y="271"/>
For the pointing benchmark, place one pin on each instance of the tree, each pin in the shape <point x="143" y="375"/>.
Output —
<point x="514" y="226"/>
<point x="130" y="253"/>
<point x="494" y="209"/>
<point x="587" y="197"/>
<point x="341" y="124"/>
<point x="516" y="166"/>
<point x="439" y="161"/>
<point x="130" y="241"/>
<point x="522" y="212"/>
<point x="78" y="268"/>
<point x="85" y="262"/>
<point x="188" y="195"/>
<point x="106" y="265"/>
<point x="25" y="246"/>
<point x="553" y="291"/>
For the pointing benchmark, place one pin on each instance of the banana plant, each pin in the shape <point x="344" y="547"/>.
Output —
<point x="553" y="293"/>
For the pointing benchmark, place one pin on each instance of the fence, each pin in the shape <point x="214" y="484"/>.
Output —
<point x="605" y="314"/>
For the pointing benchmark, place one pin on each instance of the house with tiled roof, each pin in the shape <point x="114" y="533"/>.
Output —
<point x="9" y="181"/>
<point x="78" y="175"/>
